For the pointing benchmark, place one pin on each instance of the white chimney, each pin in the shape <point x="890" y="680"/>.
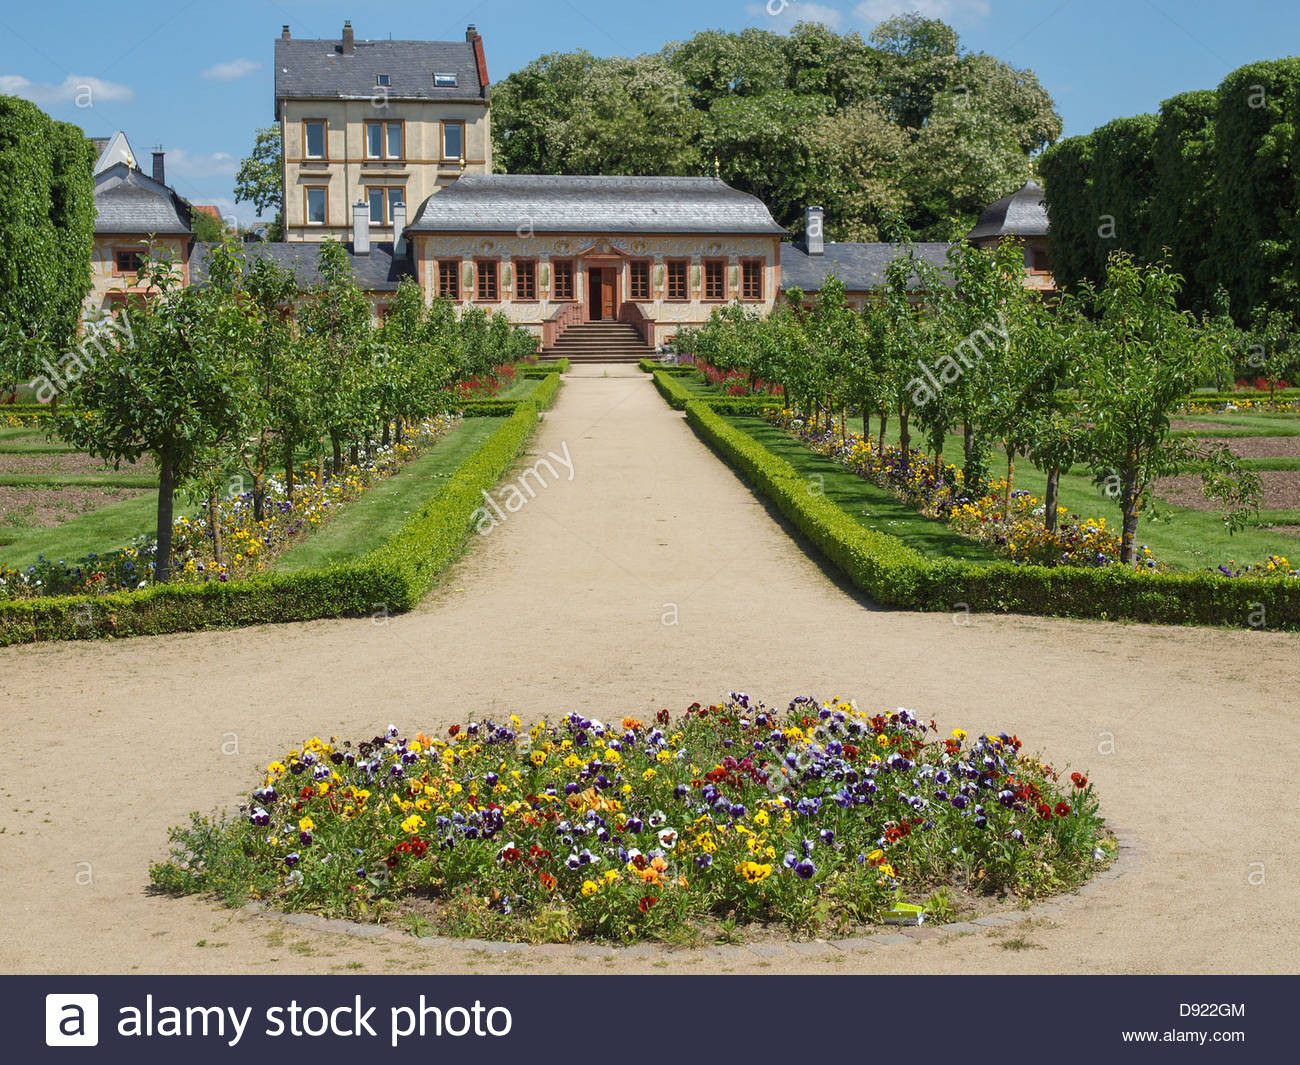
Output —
<point x="814" y="242"/>
<point x="360" y="229"/>
<point x="399" y="226"/>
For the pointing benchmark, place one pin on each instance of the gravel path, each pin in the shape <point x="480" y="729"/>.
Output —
<point x="1188" y="733"/>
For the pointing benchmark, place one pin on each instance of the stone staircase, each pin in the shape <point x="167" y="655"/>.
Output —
<point x="599" y="342"/>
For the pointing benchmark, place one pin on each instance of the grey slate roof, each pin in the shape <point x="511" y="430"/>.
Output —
<point x="860" y="266"/>
<point x="129" y="201"/>
<point x="307" y="69"/>
<point x="501" y="203"/>
<point x="1022" y="214"/>
<point x="378" y="271"/>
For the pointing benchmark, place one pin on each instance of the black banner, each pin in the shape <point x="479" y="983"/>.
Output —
<point x="635" y="1019"/>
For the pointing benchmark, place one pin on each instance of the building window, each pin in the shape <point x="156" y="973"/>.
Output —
<point x="1040" y="263"/>
<point x="445" y="81"/>
<point x="487" y="275"/>
<point x="453" y="140"/>
<point x="317" y="202"/>
<point x="751" y="279"/>
<point x="384" y="140"/>
<point x="449" y="279"/>
<point x="383" y="79"/>
<point x="677" y="286"/>
<point x="715" y="279"/>
<point x="639" y="279"/>
<point x="562" y="287"/>
<point x="127" y="260"/>
<point x="313" y="138"/>
<point x="525" y="279"/>
<point x="382" y="199"/>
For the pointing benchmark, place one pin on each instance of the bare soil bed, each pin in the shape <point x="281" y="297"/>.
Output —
<point x="48" y="507"/>
<point x="1281" y="490"/>
<point x="1262" y="447"/>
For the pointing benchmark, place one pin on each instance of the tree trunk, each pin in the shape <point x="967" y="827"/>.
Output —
<point x="259" y="497"/>
<point x="288" y="470"/>
<point x="1129" y="503"/>
<point x="938" y="464"/>
<point x="399" y="428"/>
<point x="214" y="523"/>
<point x="1050" y="501"/>
<point x="844" y="424"/>
<point x="162" y="564"/>
<point x="337" y="445"/>
<point x="1011" y="477"/>
<point x="904" y="440"/>
<point x="386" y="437"/>
<point x="884" y="424"/>
<point x="320" y="471"/>
<point x="354" y="456"/>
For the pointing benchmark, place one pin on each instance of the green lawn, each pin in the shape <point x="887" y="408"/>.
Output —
<point x="873" y="507"/>
<point x="1180" y="536"/>
<point x="100" y="531"/>
<point x="370" y="520"/>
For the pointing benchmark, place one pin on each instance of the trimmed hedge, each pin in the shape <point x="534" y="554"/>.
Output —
<point x="392" y="578"/>
<point x="895" y="574"/>
<point x="542" y="369"/>
<point x="675" y="368"/>
<point x="678" y="397"/>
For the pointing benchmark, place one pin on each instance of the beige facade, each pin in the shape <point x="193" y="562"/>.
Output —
<point x="113" y="262"/>
<point x="547" y="282"/>
<point x="341" y="152"/>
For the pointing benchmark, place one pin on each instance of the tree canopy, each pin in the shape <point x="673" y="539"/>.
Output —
<point x="907" y="123"/>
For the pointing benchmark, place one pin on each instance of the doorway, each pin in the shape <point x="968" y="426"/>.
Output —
<point x="602" y="306"/>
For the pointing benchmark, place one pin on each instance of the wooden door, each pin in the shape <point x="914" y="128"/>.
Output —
<point x="607" y="294"/>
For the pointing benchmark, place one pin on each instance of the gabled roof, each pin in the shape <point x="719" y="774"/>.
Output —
<point x="128" y="201"/>
<point x="315" y="70"/>
<point x="379" y="271"/>
<point x="116" y="149"/>
<point x="501" y="203"/>
<point x="860" y="266"/>
<point x="1022" y="214"/>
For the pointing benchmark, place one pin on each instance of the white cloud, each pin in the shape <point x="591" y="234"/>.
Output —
<point x="874" y="11"/>
<point x="82" y="90"/>
<point x="236" y="68"/>
<point x="783" y="14"/>
<point x="182" y="163"/>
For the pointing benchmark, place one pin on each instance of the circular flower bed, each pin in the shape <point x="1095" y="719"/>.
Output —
<point x="822" y="818"/>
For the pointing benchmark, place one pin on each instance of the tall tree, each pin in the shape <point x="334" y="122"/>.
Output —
<point x="260" y="178"/>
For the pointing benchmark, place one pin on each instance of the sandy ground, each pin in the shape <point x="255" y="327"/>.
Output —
<point x="651" y="579"/>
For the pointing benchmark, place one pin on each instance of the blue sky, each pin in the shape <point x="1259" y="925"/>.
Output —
<point x="195" y="76"/>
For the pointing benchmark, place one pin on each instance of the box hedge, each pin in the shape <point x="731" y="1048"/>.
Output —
<point x="390" y="579"/>
<point x="895" y="574"/>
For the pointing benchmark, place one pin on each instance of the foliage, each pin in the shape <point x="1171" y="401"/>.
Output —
<point x="391" y="578"/>
<point x="908" y="123"/>
<point x="819" y="818"/>
<point x="260" y="179"/>
<point x="47" y="219"/>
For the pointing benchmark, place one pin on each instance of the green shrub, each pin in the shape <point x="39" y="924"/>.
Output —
<point x="896" y="575"/>
<point x="391" y="578"/>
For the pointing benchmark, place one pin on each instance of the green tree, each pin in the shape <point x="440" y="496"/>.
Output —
<point x="167" y="384"/>
<point x="47" y="220"/>
<point x="260" y="178"/>
<point x="1145" y="359"/>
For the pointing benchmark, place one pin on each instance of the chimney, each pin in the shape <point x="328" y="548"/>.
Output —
<point x="360" y="228"/>
<point x="349" y="43"/>
<point x="471" y="34"/>
<point x="813" y="241"/>
<point x="284" y="33"/>
<point x="399" y="226"/>
<point x="159" y="170"/>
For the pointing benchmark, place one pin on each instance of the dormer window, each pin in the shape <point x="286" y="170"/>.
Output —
<point x="444" y="81"/>
<point x="383" y="79"/>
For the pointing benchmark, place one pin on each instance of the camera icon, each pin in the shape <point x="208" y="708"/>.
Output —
<point x="71" y="1020"/>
